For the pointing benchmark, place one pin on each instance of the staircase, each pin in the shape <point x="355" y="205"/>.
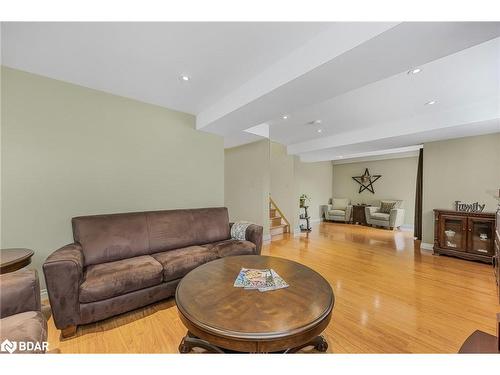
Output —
<point x="278" y="223"/>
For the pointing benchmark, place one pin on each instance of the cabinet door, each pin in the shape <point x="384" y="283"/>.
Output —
<point x="453" y="232"/>
<point x="480" y="237"/>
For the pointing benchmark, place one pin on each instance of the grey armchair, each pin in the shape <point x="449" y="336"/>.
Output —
<point x="339" y="210"/>
<point x="392" y="220"/>
<point x="21" y="318"/>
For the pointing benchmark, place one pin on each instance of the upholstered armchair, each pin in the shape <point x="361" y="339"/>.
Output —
<point x="339" y="210"/>
<point x="393" y="217"/>
<point x="20" y="312"/>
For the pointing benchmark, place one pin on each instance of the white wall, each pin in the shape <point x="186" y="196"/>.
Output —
<point x="69" y="151"/>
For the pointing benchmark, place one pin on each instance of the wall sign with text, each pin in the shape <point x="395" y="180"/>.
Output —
<point x="469" y="207"/>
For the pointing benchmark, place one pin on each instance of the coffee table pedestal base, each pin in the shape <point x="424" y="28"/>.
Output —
<point x="189" y="342"/>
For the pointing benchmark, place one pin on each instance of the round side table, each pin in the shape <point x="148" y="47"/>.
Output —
<point x="14" y="259"/>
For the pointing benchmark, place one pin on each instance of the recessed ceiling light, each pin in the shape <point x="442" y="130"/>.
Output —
<point x="431" y="102"/>
<point x="319" y="130"/>
<point x="284" y="117"/>
<point x="185" y="78"/>
<point x="414" y="71"/>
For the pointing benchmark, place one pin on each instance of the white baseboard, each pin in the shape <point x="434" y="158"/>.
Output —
<point x="426" y="246"/>
<point x="266" y="238"/>
<point x="43" y="294"/>
<point x="407" y="227"/>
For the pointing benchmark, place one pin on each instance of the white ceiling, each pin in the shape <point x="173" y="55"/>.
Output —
<point x="352" y="76"/>
<point x="144" y="60"/>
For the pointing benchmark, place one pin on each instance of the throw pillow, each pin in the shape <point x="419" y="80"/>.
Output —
<point x="386" y="207"/>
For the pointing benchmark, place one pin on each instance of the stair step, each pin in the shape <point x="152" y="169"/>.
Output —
<point x="279" y="229"/>
<point x="275" y="221"/>
<point x="272" y="212"/>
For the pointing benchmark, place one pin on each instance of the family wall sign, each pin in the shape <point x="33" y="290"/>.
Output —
<point x="469" y="207"/>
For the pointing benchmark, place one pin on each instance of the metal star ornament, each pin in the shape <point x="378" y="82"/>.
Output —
<point x="366" y="181"/>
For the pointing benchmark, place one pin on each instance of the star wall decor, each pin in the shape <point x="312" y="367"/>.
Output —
<point x="366" y="181"/>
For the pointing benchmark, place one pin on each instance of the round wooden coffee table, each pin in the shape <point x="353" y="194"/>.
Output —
<point x="14" y="259"/>
<point x="221" y="318"/>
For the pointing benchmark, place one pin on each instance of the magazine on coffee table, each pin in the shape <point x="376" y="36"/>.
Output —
<point x="261" y="279"/>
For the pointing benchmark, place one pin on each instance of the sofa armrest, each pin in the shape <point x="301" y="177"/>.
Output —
<point x="63" y="272"/>
<point x="371" y="210"/>
<point x="20" y="292"/>
<point x="323" y="209"/>
<point x="397" y="217"/>
<point x="254" y="235"/>
<point x="348" y="212"/>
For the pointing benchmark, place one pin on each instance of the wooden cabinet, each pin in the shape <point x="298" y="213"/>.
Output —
<point x="464" y="234"/>
<point x="359" y="214"/>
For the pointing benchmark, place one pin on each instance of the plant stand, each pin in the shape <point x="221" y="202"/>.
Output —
<point x="305" y="216"/>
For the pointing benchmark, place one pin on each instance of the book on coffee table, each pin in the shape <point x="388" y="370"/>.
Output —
<point x="261" y="279"/>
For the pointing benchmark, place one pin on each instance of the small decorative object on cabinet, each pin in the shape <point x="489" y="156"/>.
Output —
<point x="467" y="235"/>
<point x="305" y="216"/>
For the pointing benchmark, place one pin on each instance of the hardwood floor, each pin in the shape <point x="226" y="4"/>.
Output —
<point x="390" y="298"/>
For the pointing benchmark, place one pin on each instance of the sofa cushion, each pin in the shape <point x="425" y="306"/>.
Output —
<point x="397" y="203"/>
<point x="386" y="207"/>
<point x="106" y="238"/>
<point x="177" y="263"/>
<point x="176" y="229"/>
<point x="112" y="279"/>
<point x="336" y="213"/>
<point x="340" y="203"/>
<point x="29" y="326"/>
<point x="232" y="247"/>
<point x="380" y="216"/>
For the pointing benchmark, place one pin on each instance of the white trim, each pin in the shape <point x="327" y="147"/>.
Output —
<point x="266" y="238"/>
<point x="426" y="246"/>
<point x="43" y="294"/>
<point x="407" y="227"/>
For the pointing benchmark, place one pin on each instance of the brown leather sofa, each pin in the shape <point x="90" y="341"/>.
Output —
<point x="120" y="262"/>
<point x="21" y="318"/>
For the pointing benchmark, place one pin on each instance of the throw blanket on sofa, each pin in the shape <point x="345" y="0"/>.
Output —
<point x="239" y="229"/>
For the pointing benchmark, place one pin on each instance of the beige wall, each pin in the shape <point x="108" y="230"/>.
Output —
<point x="247" y="183"/>
<point x="290" y="178"/>
<point x="314" y="180"/>
<point x="68" y="151"/>
<point x="398" y="181"/>
<point x="465" y="169"/>
<point x="283" y="190"/>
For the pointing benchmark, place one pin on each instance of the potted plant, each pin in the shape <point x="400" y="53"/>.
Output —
<point x="302" y="200"/>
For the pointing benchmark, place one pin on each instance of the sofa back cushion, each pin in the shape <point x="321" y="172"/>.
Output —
<point x="340" y="203"/>
<point x="181" y="228"/>
<point x="397" y="203"/>
<point x="106" y="238"/>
